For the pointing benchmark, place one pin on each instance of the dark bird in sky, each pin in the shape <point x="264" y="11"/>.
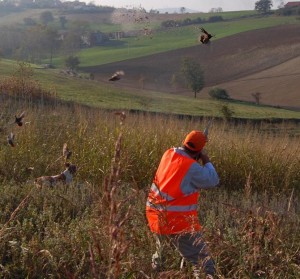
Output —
<point x="19" y="119"/>
<point x="205" y="37"/>
<point x="66" y="152"/>
<point x="10" y="139"/>
<point x="117" y="76"/>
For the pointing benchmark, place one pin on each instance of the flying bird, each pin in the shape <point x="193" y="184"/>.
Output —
<point x="205" y="37"/>
<point x="19" y="119"/>
<point x="117" y="76"/>
<point x="10" y="139"/>
<point x="66" y="152"/>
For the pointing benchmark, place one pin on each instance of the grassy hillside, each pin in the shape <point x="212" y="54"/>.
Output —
<point x="109" y="96"/>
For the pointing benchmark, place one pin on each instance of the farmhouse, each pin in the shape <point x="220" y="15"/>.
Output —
<point x="292" y="4"/>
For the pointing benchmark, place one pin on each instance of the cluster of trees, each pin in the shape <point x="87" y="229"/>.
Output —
<point x="34" y="42"/>
<point x="19" y="5"/>
<point x="216" y="10"/>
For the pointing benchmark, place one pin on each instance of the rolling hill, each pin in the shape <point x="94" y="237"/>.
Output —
<point x="224" y="61"/>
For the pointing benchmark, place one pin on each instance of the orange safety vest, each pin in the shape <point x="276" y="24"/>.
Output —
<point x="168" y="209"/>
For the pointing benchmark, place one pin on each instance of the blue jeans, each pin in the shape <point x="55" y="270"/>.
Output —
<point x="191" y="247"/>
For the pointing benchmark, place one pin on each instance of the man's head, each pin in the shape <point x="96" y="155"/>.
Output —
<point x="195" y="141"/>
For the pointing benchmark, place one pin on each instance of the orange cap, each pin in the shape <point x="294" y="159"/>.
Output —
<point x="195" y="141"/>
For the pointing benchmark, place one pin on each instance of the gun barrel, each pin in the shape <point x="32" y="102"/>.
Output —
<point x="205" y="132"/>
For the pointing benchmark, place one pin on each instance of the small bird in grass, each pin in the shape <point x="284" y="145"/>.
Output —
<point x="19" y="119"/>
<point x="10" y="139"/>
<point x="66" y="152"/>
<point x="117" y="76"/>
<point x="205" y="37"/>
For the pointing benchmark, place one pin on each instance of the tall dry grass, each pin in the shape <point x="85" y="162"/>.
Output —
<point x="96" y="227"/>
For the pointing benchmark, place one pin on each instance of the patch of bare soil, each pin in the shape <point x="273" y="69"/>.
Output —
<point x="224" y="60"/>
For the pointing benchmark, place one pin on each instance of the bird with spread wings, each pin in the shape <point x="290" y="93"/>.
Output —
<point x="205" y="37"/>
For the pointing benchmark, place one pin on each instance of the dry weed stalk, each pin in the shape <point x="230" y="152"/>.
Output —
<point x="118" y="215"/>
<point x="248" y="186"/>
<point x="290" y="200"/>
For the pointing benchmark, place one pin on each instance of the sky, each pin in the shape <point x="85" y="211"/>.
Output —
<point x="198" y="5"/>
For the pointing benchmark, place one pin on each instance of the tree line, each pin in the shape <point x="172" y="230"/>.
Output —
<point x="16" y="6"/>
<point x="189" y="21"/>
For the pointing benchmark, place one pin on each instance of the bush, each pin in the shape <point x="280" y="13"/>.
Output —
<point x="215" y="18"/>
<point x="72" y="62"/>
<point x="219" y="93"/>
<point x="226" y="112"/>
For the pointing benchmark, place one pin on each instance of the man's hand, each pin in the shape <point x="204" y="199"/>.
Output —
<point x="204" y="158"/>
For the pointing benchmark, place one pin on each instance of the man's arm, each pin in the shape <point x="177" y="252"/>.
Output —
<point x="200" y="177"/>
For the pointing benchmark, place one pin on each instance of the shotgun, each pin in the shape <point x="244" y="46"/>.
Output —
<point x="205" y="132"/>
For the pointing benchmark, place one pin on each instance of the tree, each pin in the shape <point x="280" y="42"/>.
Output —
<point x="216" y="10"/>
<point x="29" y="21"/>
<point x="193" y="74"/>
<point x="46" y="17"/>
<point x="72" y="62"/>
<point x="63" y="21"/>
<point x="182" y="10"/>
<point x="257" y="97"/>
<point x="226" y="111"/>
<point x="263" y="6"/>
<point x="50" y="41"/>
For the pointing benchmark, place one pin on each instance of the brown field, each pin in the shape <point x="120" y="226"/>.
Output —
<point x="264" y="60"/>
<point x="279" y="85"/>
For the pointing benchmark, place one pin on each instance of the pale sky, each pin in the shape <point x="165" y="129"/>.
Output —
<point x="198" y="5"/>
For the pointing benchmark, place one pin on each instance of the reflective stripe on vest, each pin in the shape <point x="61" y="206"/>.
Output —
<point x="174" y="208"/>
<point x="157" y="193"/>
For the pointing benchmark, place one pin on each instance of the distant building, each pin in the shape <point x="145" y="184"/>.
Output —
<point x="292" y="4"/>
<point x="95" y="39"/>
<point x="116" y="35"/>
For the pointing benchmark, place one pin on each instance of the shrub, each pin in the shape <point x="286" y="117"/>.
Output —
<point x="219" y="93"/>
<point x="226" y="111"/>
<point x="215" y="18"/>
<point x="72" y="62"/>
